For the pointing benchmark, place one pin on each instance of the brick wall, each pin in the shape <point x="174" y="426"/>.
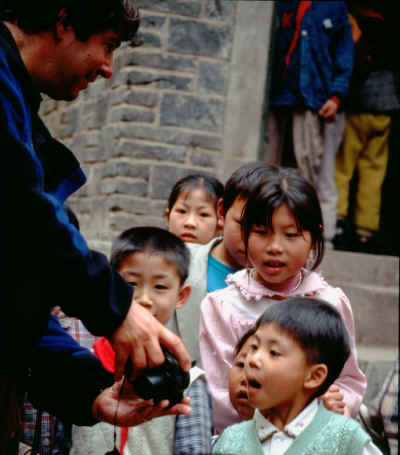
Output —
<point x="161" y="116"/>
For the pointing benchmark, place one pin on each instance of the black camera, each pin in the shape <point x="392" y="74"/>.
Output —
<point x="165" y="382"/>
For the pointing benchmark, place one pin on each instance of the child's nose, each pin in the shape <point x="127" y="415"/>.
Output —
<point x="190" y="220"/>
<point x="143" y="298"/>
<point x="274" y="244"/>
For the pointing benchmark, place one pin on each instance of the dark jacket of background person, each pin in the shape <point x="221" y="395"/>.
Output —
<point x="322" y="61"/>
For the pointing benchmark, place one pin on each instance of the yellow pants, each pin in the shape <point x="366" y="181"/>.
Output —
<point x="365" y="147"/>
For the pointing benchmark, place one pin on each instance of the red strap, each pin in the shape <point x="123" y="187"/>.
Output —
<point x="124" y="438"/>
<point x="335" y="99"/>
<point x="105" y="353"/>
<point x="301" y="11"/>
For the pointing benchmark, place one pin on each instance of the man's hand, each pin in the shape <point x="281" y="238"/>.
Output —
<point x="333" y="400"/>
<point x="139" y="337"/>
<point x="132" y="410"/>
<point x="328" y="110"/>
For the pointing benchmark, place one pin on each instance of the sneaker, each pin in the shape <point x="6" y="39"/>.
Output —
<point x="365" y="244"/>
<point x="343" y="235"/>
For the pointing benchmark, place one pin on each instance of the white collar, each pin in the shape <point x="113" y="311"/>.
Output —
<point x="265" y="429"/>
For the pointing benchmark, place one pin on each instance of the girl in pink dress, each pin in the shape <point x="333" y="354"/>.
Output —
<point x="283" y="234"/>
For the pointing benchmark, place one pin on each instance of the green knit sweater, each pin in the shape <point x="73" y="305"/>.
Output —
<point x="328" y="434"/>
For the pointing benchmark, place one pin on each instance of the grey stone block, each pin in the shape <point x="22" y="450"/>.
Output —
<point x="170" y="136"/>
<point x="141" y="98"/>
<point x="220" y="10"/>
<point x="131" y="114"/>
<point x="122" y="186"/>
<point x="192" y="112"/>
<point x="161" y="81"/>
<point x="124" y="169"/>
<point x="69" y="122"/>
<point x="213" y="77"/>
<point x="148" y="39"/>
<point x="204" y="159"/>
<point x="151" y="152"/>
<point x="160" y="61"/>
<point x="186" y="8"/>
<point x="151" y="21"/>
<point x="128" y="204"/>
<point x="192" y="37"/>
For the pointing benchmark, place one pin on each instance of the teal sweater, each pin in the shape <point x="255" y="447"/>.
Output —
<point x="328" y="434"/>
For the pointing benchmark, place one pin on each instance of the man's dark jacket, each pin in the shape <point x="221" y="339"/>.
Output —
<point x="46" y="261"/>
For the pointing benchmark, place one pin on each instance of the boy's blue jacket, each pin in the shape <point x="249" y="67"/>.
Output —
<point x="321" y="63"/>
<point x="46" y="261"/>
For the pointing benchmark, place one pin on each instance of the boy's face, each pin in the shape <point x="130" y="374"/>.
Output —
<point x="156" y="284"/>
<point x="238" y="385"/>
<point x="277" y="372"/>
<point x="233" y="243"/>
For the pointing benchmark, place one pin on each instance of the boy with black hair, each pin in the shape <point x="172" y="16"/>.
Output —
<point x="298" y="349"/>
<point x="156" y="263"/>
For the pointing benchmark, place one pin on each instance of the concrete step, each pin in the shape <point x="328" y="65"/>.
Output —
<point x="372" y="285"/>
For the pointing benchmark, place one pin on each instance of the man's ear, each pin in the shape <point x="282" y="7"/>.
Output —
<point x="220" y="213"/>
<point x="61" y="25"/>
<point x="183" y="296"/>
<point x="315" y="376"/>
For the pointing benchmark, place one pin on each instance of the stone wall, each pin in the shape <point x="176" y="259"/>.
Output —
<point x="186" y="96"/>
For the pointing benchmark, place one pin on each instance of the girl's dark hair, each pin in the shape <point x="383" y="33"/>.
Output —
<point x="318" y="327"/>
<point x="152" y="240"/>
<point x="243" y="181"/>
<point x="285" y="186"/>
<point x="212" y="186"/>
<point x="87" y="17"/>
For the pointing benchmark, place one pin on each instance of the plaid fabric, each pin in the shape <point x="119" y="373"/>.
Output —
<point x="389" y="408"/>
<point x="55" y="436"/>
<point x="193" y="432"/>
<point x="75" y="328"/>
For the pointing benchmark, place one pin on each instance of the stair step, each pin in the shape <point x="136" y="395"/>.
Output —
<point x="372" y="285"/>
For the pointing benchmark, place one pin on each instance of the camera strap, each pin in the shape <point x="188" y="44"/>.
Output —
<point x="115" y="451"/>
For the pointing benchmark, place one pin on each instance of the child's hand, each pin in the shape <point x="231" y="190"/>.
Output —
<point x="333" y="400"/>
<point x="328" y="110"/>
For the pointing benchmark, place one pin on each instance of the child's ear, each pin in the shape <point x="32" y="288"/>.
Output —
<point x="183" y="296"/>
<point x="166" y="214"/>
<point x="315" y="376"/>
<point x="220" y="213"/>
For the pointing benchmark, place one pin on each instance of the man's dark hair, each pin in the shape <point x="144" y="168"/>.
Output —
<point x="152" y="240"/>
<point x="87" y="17"/>
<point x="317" y="327"/>
<point x="243" y="180"/>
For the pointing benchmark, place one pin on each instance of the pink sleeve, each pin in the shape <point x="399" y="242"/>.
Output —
<point x="217" y="343"/>
<point x="352" y="381"/>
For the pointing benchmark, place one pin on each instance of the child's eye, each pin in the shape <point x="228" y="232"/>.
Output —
<point x="161" y="287"/>
<point x="239" y="364"/>
<point x="181" y="211"/>
<point x="292" y="235"/>
<point x="274" y="353"/>
<point x="260" y="231"/>
<point x="205" y="215"/>
<point x="132" y="283"/>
